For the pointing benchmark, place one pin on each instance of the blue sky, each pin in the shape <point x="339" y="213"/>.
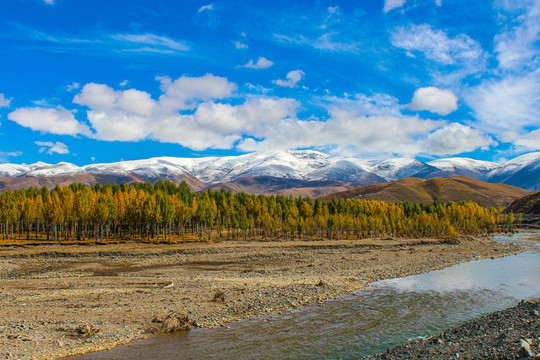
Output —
<point x="98" y="81"/>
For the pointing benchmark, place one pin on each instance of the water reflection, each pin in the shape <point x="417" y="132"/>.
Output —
<point x="384" y="314"/>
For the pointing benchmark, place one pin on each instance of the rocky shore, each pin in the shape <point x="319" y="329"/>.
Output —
<point x="64" y="300"/>
<point x="513" y="333"/>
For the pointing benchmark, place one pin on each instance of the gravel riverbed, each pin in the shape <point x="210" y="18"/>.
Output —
<point x="63" y="300"/>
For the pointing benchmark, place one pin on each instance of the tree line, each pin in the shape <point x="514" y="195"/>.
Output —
<point x="165" y="211"/>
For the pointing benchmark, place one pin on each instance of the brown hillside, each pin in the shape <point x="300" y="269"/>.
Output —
<point x="455" y="189"/>
<point x="268" y="185"/>
<point x="15" y="183"/>
<point x="528" y="205"/>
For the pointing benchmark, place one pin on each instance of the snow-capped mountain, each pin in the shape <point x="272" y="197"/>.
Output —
<point x="523" y="171"/>
<point x="399" y="168"/>
<point x="477" y="169"/>
<point x="304" y="165"/>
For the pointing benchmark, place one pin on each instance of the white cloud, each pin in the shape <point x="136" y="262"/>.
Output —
<point x="73" y="86"/>
<point x="454" y="139"/>
<point x="436" y="45"/>
<point x="528" y="142"/>
<point x="123" y="83"/>
<point x="49" y="120"/>
<point x="51" y="148"/>
<point x="240" y="45"/>
<point x="101" y="97"/>
<point x="114" y="125"/>
<point x="438" y="2"/>
<point x="150" y="43"/>
<point x="516" y="46"/>
<point x="357" y="126"/>
<point x="438" y="101"/>
<point x="257" y="88"/>
<point x="132" y="115"/>
<point x="194" y="112"/>
<point x="323" y="42"/>
<point x="5" y="155"/>
<point x="392" y="4"/>
<point x="185" y="92"/>
<point x="293" y="77"/>
<point x="363" y="105"/>
<point x="262" y="63"/>
<point x="206" y="8"/>
<point x="346" y="131"/>
<point x="511" y="103"/>
<point x="50" y="2"/>
<point x="106" y="43"/>
<point x="4" y="102"/>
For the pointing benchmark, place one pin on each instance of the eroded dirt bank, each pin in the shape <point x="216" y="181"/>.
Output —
<point x="63" y="300"/>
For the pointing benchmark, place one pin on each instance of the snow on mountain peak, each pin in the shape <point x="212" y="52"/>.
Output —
<point x="397" y="168"/>
<point x="467" y="167"/>
<point x="307" y="165"/>
<point x="531" y="160"/>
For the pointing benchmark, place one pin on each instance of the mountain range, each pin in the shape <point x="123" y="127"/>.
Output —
<point x="305" y="172"/>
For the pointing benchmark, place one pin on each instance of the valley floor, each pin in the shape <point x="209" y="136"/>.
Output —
<point x="112" y="292"/>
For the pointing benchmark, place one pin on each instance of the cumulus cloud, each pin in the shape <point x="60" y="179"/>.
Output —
<point x="262" y="63"/>
<point x="49" y="120"/>
<point x="4" y="102"/>
<point x="50" y="148"/>
<point x="196" y="112"/>
<point x="132" y="115"/>
<point x="346" y="131"/>
<point x="528" y="142"/>
<point x="438" y="101"/>
<point x="293" y="77"/>
<point x="185" y="92"/>
<point x="392" y="4"/>
<point x="455" y="138"/>
<point x="436" y="45"/>
<point x="357" y="126"/>
<point x="206" y="8"/>
<point x="101" y="97"/>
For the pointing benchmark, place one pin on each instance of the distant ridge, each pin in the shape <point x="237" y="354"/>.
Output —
<point x="305" y="172"/>
<point x="455" y="189"/>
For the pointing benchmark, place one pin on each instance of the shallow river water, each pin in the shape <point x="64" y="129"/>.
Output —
<point x="365" y="322"/>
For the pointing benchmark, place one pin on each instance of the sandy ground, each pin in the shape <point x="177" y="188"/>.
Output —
<point x="114" y="291"/>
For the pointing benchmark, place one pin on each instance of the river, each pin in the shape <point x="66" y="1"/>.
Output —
<point x="365" y="322"/>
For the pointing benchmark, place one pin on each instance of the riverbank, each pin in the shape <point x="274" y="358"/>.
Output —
<point x="507" y="334"/>
<point x="63" y="300"/>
